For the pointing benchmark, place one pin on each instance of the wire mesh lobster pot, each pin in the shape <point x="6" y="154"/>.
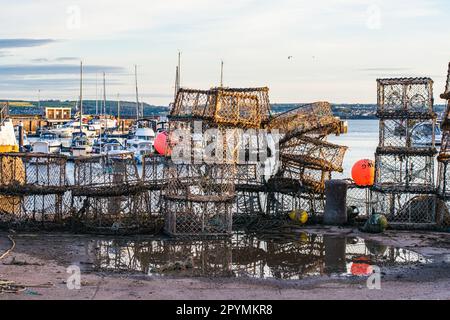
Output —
<point x="313" y="153"/>
<point x="105" y="171"/>
<point x="32" y="189"/>
<point x="224" y="106"/>
<point x="131" y="213"/>
<point x="444" y="177"/>
<point x="247" y="207"/>
<point x="406" y="208"/>
<point x="445" y="125"/>
<point x="199" y="199"/>
<point x="359" y="199"/>
<point x="401" y="170"/>
<point x="405" y="98"/>
<point x="443" y="190"/>
<point x="443" y="213"/>
<point x="279" y="204"/>
<point x="446" y="96"/>
<point x="109" y="196"/>
<point x="249" y="176"/>
<point x="315" y="119"/>
<point x="293" y="175"/>
<point x="153" y="170"/>
<point x="407" y="133"/>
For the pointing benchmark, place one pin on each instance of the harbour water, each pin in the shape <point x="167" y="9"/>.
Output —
<point x="361" y="140"/>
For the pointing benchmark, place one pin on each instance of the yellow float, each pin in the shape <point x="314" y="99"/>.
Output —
<point x="299" y="215"/>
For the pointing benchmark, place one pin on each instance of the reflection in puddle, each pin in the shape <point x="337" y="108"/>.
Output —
<point x="246" y="255"/>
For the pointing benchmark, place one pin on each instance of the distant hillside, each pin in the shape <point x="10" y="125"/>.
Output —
<point x="127" y="108"/>
<point x="346" y="111"/>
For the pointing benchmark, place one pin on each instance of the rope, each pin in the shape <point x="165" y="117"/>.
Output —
<point x="9" y="250"/>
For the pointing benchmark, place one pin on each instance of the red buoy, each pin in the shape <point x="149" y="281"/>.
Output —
<point x="363" y="173"/>
<point x="161" y="143"/>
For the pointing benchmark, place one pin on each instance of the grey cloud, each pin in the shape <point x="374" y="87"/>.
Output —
<point x="45" y="69"/>
<point x="48" y="84"/>
<point x="22" y="43"/>
<point x="39" y="60"/>
<point x="61" y="59"/>
<point x="5" y="54"/>
<point x="58" y="59"/>
<point x="384" y="69"/>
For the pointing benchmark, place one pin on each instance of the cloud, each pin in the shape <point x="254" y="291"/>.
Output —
<point x="58" y="59"/>
<point x="39" y="60"/>
<point x="48" y="69"/>
<point x="23" y="43"/>
<point x="385" y="69"/>
<point x="50" y="84"/>
<point x="5" y="54"/>
<point x="63" y="59"/>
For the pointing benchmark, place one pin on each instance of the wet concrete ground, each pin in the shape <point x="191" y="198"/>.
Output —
<point x="316" y="263"/>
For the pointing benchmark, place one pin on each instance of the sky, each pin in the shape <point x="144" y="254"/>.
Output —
<point x="303" y="50"/>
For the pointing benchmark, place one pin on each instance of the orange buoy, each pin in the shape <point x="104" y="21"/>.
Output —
<point x="363" y="173"/>
<point x="161" y="143"/>
<point x="361" y="269"/>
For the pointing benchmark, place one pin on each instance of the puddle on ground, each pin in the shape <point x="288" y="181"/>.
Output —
<point x="245" y="255"/>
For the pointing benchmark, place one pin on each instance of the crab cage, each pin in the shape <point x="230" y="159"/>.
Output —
<point x="293" y="175"/>
<point x="445" y="125"/>
<point x="406" y="209"/>
<point x="446" y="94"/>
<point x="306" y="159"/>
<point x="153" y="170"/>
<point x="249" y="176"/>
<point x="247" y="208"/>
<point x="224" y="106"/>
<point x="316" y="118"/>
<point x="280" y="205"/>
<point x="313" y="152"/>
<point x="199" y="199"/>
<point x="405" y="97"/>
<point x="154" y="179"/>
<point x="109" y="197"/>
<point x="405" y="170"/>
<point x="359" y="200"/>
<point x="443" y="189"/>
<point x="407" y="133"/>
<point x="32" y="189"/>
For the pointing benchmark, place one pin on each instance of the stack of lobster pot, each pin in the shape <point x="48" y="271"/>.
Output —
<point x="204" y="143"/>
<point x="443" y="215"/>
<point x="404" y="160"/>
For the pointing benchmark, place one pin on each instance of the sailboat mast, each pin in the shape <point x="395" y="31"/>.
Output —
<point x="221" y="74"/>
<point x="104" y="101"/>
<point x="179" y="69"/>
<point x="118" y="107"/>
<point x="137" y="92"/>
<point x="81" y="95"/>
<point x="176" y="85"/>
<point x="96" y="94"/>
